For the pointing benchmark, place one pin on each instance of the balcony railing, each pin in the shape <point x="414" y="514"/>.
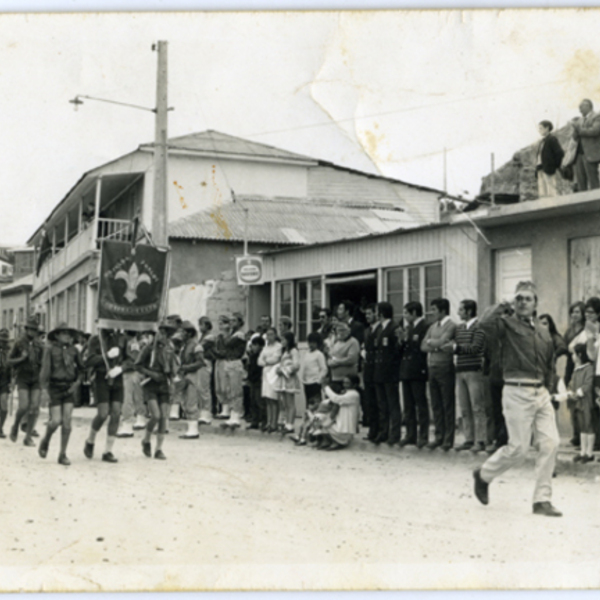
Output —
<point x="84" y="241"/>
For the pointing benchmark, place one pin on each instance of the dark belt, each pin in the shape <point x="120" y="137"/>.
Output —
<point x="520" y="384"/>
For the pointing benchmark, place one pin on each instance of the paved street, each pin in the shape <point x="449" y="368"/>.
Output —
<point x="237" y="510"/>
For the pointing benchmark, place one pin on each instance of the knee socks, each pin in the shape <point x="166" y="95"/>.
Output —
<point x="65" y="433"/>
<point x="110" y="441"/>
<point x="31" y="419"/>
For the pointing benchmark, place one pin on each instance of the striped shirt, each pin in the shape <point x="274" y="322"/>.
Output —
<point x="469" y="344"/>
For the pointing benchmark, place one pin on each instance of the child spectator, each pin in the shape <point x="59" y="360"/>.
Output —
<point x="269" y="359"/>
<point x="258" y="410"/>
<point x="288" y="384"/>
<point x="580" y="391"/>
<point x="313" y="369"/>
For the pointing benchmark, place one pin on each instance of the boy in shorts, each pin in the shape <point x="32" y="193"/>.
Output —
<point x="26" y="359"/>
<point x="105" y="356"/>
<point x="61" y="373"/>
<point x="157" y="363"/>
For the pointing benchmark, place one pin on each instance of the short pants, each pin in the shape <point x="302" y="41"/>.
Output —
<point x="107" y="393"/>
<point x="155" y="391"/>
<point x="24" y="385"/>
<point x="60" y="394"/>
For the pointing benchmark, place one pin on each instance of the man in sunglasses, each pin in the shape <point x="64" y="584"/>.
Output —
<point x="527" y="355"/>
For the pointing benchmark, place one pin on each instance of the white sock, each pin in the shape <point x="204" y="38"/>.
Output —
<point x="110" y="440"/>
<point x="583" y="441"/>
<point x="591" y="440"/>
<point x="92" y="436"/>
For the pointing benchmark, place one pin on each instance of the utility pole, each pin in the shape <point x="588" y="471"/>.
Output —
<point x="493" y="191"/>
<point x="159" y="203"/>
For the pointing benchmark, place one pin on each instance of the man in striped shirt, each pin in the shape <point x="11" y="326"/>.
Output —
<point x="468" y="346"/>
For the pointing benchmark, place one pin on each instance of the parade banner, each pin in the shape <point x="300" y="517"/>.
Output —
<point x="249" y="270"/>
<point x="132" y="287"/>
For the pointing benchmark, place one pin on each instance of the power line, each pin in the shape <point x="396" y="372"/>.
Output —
<point x="403" y="110"/>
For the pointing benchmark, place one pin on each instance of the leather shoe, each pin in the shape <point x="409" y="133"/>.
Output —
<point x="407" y="442"/>
<point x="29" y="442"/>
<point x="88" y="450"/>
<point x="434" y="445"/>
<point x="546" y="509"/>
<point x="421" y="444"/>
<point x="43" y="449"/>
<point x="147" y="449"/>
<point x="63" y="460"/>
<point x="481" y="487"/>
<point x="464" y="446"/>
<point x="380" y="439"/>
<point x="160" y="455"/>
<point x="109" y="457"/>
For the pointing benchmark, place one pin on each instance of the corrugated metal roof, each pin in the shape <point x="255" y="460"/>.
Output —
<point x="289" y="221"/>
<point x="215" y="142"/>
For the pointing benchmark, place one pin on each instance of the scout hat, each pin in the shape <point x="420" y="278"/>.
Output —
<point x="168" y="326"/>
<point x="32" y="323"/>
<point x="189" y="326"/>
<point x="61" y="327"/>
<point x="175" y="319"/>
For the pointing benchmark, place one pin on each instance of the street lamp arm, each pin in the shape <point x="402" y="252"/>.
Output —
<point x="77" y="100"/>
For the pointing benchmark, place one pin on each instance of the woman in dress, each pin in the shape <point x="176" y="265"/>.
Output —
<point x="269" y="359"/>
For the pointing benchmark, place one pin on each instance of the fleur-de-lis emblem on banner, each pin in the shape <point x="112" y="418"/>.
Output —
<point x="133" y="279"/>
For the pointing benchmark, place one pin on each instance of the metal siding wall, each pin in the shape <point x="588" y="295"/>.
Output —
<point x="455" y="246"/>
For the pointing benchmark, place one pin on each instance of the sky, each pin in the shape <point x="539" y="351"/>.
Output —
<point x="381" y="91"/>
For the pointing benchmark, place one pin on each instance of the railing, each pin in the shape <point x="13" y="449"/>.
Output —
<point x="107" y="229"/>
<point x="115" y="229"/>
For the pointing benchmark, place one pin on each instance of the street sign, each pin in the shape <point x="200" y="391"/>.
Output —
<point x="132" y="285"/>
<point x="249" y="270"/>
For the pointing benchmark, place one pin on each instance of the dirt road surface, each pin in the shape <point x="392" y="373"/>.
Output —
<point x="234" y="511"/>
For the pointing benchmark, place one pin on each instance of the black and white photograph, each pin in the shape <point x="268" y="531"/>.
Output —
<point x="300" y="300"/>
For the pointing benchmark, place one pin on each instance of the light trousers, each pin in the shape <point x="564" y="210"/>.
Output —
<point x="133" y="396"/>
<point x="234" y="385"/>
<point x="527" y="410"/>
<point x="470" y="392"/>
<point x="546" y="185"/>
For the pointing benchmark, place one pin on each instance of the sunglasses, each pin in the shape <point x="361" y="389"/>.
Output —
<point x="520" y="298"/>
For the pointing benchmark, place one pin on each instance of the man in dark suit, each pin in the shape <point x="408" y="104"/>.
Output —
<point x="587" y="132"/>
<point x="413" y="374"/>
<point x="345" y="313"/>
<point x="549" y="159"/>
<point x="370" y="411"/>
<point x="386" y="376"/>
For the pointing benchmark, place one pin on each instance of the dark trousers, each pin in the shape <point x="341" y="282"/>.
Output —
<point x="416" y="411"/>
<point x="258" y="405"/>
<point x="591" y="171"/>
<point x="370" y="409"/>
<point x="390" y="415"/>
<point x="500" y="432"/>
<point x="442" y="382"/>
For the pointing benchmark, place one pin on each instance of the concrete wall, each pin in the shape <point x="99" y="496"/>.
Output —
<point x="549" y="241"/>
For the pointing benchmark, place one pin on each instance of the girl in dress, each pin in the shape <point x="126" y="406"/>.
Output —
<point x="288" y="384"/>
<point x="580" y="393"/>
<point x="269" y="359"/>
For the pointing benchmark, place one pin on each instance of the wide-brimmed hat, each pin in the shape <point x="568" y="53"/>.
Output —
<point x="62" y="327"/>
<point x="167" y="325"/>
<point x="32" y="323"/>
<point x="189" y="326"/>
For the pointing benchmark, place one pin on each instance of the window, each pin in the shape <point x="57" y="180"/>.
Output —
<point x="21" y="315"/>
<point x="72" y="306"/>
<point x="11" y="319"/>
<point x="512" y="266"/>
<point x="5" y="319"/>
<point x="584" y="261"/>
<point x="419" y="283"/>
<point x="284" y="302"/>
<point x="308" y="294"/>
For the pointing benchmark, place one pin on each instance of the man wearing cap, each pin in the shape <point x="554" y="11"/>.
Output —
<point x="235" y="347"/>
<point x="61" y="373"/>
<point x="191" y="362"/>
<point x="527" y="366"/>
<point x="5" y="377"/>
<point x="158" y="364"/>
<point x="26" y="360"/>
<point x="205" y="348"/>
<point x="105" y="356"/>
